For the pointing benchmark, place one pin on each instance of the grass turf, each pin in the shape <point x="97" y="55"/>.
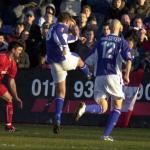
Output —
<point x="40" y="137"/>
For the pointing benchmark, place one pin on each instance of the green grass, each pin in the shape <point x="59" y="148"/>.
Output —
<point x="40" y="137"/>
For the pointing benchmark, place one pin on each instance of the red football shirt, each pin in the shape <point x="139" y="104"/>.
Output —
<point x="7" y="66"/>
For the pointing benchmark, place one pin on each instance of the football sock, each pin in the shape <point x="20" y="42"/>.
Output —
<point x="58" y="109"/>
<point x="85" y="70"/>
<point x="112" y="120"/>
<point x="93" y="108"/>
<point x="9" y="114"/>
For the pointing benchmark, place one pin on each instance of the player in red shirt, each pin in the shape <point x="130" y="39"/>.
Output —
<point x="8" y="66"/>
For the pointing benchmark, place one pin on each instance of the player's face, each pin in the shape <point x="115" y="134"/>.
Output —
<point x="71" y="23"/>
<point x="17" y="52"/>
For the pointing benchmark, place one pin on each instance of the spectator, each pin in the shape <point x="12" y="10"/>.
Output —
<point x="49" y="18"/>
<point x="3" y="43"/>
<point x="71" y="6"/>
<point x="34" y="37"/>
<point x="134" y="53"/>
<point x="42" y="47"/>
<point x="126" y="22"/>
<point x="106" y="29"/>
<point x="39" y="19"/>
<point x="87" y="10"/>
<point x="82" y="22"/>
<point x="83" y="48"/>
<point x="50" y="9"/>
<point x="117" y="9"/>
<point x="17" y="32"/>
<point x="29" y="19"/>
<point x="23" y="61"/>
<point x="92" y="25"/>
<point x="144" y="55"/>
<point x="146" y="62"/>
<point x="140" y="8"/>
<point x="45" y="28"/>
<point x="24" y="35"/>
<point x="138" y="23"/>
<point x="142" y="36"/>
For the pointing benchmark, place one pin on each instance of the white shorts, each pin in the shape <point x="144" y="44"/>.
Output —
<point x="59" y="70"/>
<point x="108" y="86"/>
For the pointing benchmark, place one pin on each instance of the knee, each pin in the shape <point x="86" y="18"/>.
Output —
<point x="61" y="94"/>
<point x="104" y="108"/>
<point x="9" y="100"/>
<point x="104" y="105"/>
<point x="118" y="104"/>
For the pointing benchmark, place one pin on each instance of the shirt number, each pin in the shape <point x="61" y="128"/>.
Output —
<point x="108" y="48"/>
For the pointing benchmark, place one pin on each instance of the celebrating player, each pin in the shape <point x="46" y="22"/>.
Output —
<point x="109" y="53"/>
<point x="8" y="66"/>
<point x="61" y="59"/>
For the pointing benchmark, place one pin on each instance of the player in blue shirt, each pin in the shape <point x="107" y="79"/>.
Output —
<point x="62" y="60"/>
<point x="107" y="56"/>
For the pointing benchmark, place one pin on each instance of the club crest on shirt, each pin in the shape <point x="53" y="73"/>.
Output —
<point x="3" y="72"/>
<point x="129" y="55"/>
<point x="62" y="29"/>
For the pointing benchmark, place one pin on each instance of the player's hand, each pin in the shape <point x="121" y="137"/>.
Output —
<point x="19" y="102"/>
<point x="82" y="39"/>
<point x="75" y="30"/>
<point x="64" y="52"/>
<point x="126" y="79"/>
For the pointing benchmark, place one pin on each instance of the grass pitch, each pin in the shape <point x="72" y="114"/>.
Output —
<point x="40" y="137"/>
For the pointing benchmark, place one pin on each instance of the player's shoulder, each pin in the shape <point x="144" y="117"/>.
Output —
<point x="124" y="41"/>
<point x="61" y="27"/>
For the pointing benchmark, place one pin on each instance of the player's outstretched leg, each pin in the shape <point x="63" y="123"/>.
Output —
<point x="86" y="71"/>
<point x="83" y="108"/>
<point x="84" y="68"/>
<point x="80" y="111"/>
<point x="58" y="111"/>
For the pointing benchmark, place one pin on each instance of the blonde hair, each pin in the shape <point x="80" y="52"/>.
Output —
<point x="116" y="25"/>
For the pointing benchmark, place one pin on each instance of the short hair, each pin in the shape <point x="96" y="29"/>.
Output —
<point x="46" y="25"/>
<point x="106" y="24"/>
<point x="87" y="6"/>
<point x="64" y="16"/>
<point x="115" y="23"/>
<point x="20" y="23"/>
<point x="15" y="44"/>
